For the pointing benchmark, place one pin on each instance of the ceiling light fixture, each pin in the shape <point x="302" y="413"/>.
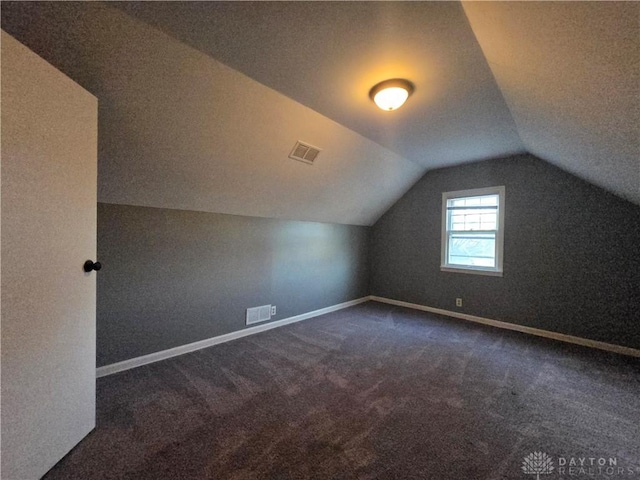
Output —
<point x="391" y="94"/>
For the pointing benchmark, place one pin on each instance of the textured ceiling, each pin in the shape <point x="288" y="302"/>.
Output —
<point x="557" y="79"/>
<point x="327" y="56"/>
<point x="177" y="129"/>
<point x="570" y="73"/>
<point x="567" y="70"/>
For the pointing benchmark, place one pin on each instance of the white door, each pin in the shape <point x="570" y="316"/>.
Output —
<point x="48" y="230"/>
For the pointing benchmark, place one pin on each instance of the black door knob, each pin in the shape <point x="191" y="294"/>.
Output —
<point x="89" y="265"/>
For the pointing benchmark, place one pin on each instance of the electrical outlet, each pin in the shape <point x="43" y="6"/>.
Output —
<point x="273" y="310"/>
<point x="458" y="302"/>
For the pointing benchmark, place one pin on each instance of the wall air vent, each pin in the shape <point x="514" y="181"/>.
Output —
<point x="258" y="314"/>
<point x="304" y="152"/>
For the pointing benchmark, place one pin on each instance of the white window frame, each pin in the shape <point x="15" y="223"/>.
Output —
<point x="444" y="254"/>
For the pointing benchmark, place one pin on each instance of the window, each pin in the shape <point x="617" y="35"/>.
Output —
<point x="473" y="231"/>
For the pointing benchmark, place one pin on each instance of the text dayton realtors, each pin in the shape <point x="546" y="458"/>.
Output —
<point x="593" y="466"/>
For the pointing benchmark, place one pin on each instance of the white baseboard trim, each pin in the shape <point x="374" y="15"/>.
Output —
<point x="191" y="347"/>
<point x="609" y="347"/>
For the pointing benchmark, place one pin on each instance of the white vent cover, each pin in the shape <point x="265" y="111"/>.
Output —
<point x="258" y="314"/>
<point x="304" y="152"/>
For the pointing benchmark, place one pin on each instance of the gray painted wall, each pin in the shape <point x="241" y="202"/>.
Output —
<point x="571" y="253"/>
<point x="172" y="277"/>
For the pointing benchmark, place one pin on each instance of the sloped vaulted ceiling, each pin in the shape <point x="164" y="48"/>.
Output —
<point x="327" y="55"/>
<point x="178" y="129"/>
<point x="200" y="102"/>
<point x="570" y="73"/>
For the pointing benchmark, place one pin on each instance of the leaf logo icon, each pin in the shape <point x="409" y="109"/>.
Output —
<point x="537" y="463"/>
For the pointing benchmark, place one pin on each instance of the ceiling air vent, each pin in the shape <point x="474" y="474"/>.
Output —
<point x="304" y="152"/>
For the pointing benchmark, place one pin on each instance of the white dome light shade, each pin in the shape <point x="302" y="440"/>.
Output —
<point x="391" y="94"/>
<point x="391" y="98"/>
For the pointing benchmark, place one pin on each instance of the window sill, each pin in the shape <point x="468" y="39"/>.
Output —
<point x="473" y="271"/>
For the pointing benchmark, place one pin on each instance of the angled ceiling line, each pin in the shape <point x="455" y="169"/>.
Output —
<point x="457" y="115"/>
<point x="493" y="74"/>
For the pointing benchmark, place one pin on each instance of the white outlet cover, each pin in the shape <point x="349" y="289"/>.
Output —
<point x="273" y="310"/>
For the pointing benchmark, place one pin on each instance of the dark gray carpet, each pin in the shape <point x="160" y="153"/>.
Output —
<point x="370" y="392"/>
